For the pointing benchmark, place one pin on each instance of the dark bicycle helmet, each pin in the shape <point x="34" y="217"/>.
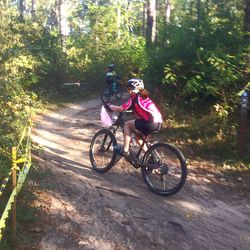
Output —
<point x="111" y="66"/>
<point x="135" y="84"/>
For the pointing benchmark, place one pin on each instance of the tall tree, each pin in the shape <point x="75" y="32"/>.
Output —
<point x="167" y="10"/>
<point x="59" y="7"/>
<point x="21" y="8"/>
<point x="166" y="21"/>
<point x="199" y="17"/>
<point x="151" y="22"/>
<point x="247" y="19"/>
<point x="247" y="38"/>
<point x="118" y="21"/>
<point x="33" y="2"/>
<point x="144" y="18"/>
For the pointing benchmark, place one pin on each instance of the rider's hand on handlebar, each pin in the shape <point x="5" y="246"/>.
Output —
<point x="106" y="106"/>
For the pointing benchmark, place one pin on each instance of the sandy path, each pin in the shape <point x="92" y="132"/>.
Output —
<point x="81" y="211"/>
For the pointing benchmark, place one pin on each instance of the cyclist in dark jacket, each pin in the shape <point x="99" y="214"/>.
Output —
<point x="111" y="77"/>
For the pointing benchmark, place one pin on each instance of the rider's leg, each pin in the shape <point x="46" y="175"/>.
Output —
<point x="128" y="127"/>
<point x="145" y="128"/>
<point x="140" y="141"/>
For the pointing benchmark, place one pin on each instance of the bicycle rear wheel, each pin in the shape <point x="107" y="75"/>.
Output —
<point x="102" y="152"/>
<point x="106" y="95"/>
<point x="119" y="92"/>
<point x="164" y="169"/>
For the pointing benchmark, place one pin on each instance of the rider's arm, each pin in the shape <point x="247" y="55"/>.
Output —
<point x="116" y="108"/>
<point x="124" y="106"/>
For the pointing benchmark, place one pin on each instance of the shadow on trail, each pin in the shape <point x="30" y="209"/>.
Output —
<point x="127" y="179"/>
<point x="66" y="164"/>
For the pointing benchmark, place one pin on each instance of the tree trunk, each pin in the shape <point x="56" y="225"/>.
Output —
<point x="118" y="22"/>
<point x="167" y="10"/>
<point x="33" y="3"/>
<point x="151" y="22"/>
<point x="21" y="8"/>
<point x="60" y="22"/>
<point x="144" y="18"/>
<point x="198" y="13"/>
<point x="247" y="39"/>
<point x="167" y="20"/>
<point x="129" y="18"/>
<point x="247" y="20"/>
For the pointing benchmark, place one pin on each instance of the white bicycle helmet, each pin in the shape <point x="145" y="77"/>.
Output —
<point x="135" y="84"/>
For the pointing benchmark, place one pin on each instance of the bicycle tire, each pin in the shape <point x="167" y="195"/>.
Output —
<point x="119" y="92"/>
<point x="106" y="95"/>
<point x="160" y="175"/>
<point x="103" y="152"/>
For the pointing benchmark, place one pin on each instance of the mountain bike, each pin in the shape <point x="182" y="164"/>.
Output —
<point x="112" y="90"/>
<point x="163" y="166"/>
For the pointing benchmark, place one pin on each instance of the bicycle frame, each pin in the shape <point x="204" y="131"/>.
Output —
<point x="119" y="123"/>
<point x="110" y="87"/>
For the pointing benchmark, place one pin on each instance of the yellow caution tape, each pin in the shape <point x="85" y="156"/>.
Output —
<point x="22" y="176"/>
<point x="21" y="160"/>
<point x="5" y="214"/>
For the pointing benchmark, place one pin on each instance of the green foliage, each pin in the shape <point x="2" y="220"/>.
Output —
<point x="170" y="76"/>
<point x="14" y="103"/>
<point x="203" y="135"/>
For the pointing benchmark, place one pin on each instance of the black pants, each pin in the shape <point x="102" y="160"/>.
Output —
<point x="147" y="127"/>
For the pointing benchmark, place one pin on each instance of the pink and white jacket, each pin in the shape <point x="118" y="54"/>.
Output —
<point x="143" y="108"/>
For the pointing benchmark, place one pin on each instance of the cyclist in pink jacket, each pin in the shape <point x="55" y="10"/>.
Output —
<point x="148" y="117"/>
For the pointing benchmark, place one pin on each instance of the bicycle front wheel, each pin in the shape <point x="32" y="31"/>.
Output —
<point x="102" y="152"/>
<point x="119" y="92"/>
<point x="164" y="169"/>
<point x="106" y="95"/>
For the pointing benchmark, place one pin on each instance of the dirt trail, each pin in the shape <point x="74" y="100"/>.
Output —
<point x="82" y="209"/>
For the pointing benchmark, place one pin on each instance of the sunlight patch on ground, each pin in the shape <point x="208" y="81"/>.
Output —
<point x="44" y="142"/>
<point x="191" y="206"/>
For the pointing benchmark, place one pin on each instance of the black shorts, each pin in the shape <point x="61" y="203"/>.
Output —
<point x="147" y="127"/>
